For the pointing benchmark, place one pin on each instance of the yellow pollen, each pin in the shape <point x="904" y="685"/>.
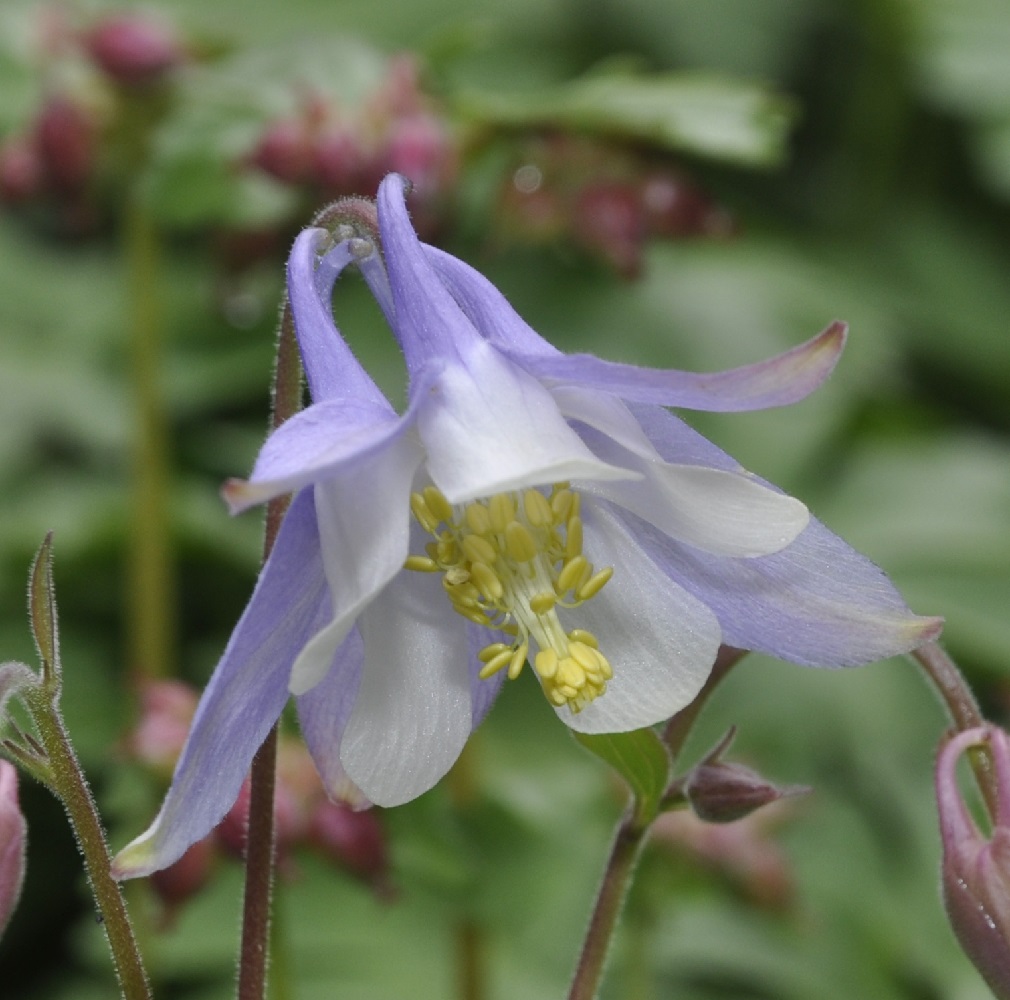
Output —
<point x="511" y="563"/>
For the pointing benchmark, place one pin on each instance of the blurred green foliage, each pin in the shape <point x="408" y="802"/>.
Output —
<point x="889" y="209"/>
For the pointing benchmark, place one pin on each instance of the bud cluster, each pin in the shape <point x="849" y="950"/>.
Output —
<point x="342" y="833"/>
<point x="333" y="150"/>
<point x="88" y="67"/>
<point x="607" y="199"/>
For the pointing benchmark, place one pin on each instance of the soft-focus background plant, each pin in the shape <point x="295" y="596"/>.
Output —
<point x="876" y="189"/>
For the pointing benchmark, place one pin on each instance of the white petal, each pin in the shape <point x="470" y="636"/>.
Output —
<point x="490" y="427"/>
<point x="660" y="640"/>
<point x="723" y="512"/>
<point x="413" y="714"/>
<point x="364" y="531"/>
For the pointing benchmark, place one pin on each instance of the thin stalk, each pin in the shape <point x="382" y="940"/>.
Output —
<point x="151" y="591"/>
<point x="69" y="784"/>
<point x="257" y="898"/>
<point x="959" y="700"/>
<point x="617" y="879"/>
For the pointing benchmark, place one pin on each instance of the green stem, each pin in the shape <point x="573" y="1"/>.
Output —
<point x="70" y="786"/>
<point x="964" y="712"/>
<point x="257" y="899"/>
<point x="150" y="572"/>
<point x="617" y="878"/>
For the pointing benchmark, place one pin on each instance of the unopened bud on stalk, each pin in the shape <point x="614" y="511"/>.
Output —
<point x="134" y="48"/>
<point x="976" y="870"/>
<point x="13" y="836"/>
<point x="723" y="792"/>
<point x="354" y="839"/>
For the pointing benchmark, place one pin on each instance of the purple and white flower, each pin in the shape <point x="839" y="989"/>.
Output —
<point x="528" y="506"/>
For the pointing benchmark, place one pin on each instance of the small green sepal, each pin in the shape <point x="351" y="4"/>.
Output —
<point x="42" y="615"/>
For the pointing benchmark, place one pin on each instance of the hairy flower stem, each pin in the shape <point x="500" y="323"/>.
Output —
<point x="631" y="835"/>
<point x="256" y="902"/>
<point x="66" y="780"/>
<point x="617" y="878"/>
<point x="957" y="696"/>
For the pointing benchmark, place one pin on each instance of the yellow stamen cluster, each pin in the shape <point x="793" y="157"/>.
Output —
<point x="508" y="563"/>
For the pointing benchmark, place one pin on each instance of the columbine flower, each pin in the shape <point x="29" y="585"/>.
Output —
<point x="528" y="506"/>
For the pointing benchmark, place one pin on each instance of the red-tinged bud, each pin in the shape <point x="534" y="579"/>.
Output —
<point x="134" y="48"/>
<point x="421" y="148"/>
<point x="64" y="135"/>
<point x="181" y="881"/>
<point x="608" y="221"/>
<point x="232" y="831"/>
<point x="21" y="173"/>
<point x="284" y="151"/>
<point x="353" y="839"/>
<point x="722" y="792"/>
<point x="166" y="712"/>
<point x="400" y="92"/>
<point x="13" y="837"/>
<point x="340" y="162"/>
<point x="976" y="870"/>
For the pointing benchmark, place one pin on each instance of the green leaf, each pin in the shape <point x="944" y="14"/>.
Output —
<point x="703" y="114"/>
<point x="42" y="607"/>
<point x="641" y="759"/>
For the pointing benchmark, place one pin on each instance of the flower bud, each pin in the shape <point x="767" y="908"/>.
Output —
<point x="13" y="836"/>
<point x="166" y="711"/>
<point x="232" y="831"/>
<point x="975" y="870"/>
<point x="65" y="140"/>
<point x="21" y="175"/>
<point x="134" y="48"/>
<point x="284" y="151"/>
<point x="354" y="839"/>
<point x="608" y="220"/>
<point x="179" y="882"/>
<point x="723" y="792"/>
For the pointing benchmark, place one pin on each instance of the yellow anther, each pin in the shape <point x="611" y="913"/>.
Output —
<point x="437" y="504"/>
<point x="595" y="584"/>
<point x="573" y="543"/>
<point x="424" y="516"/>
<point x="518" y="661"/>
<point x="496" y="663"/>
<point x="585" y="656"/>
<point x="586" y="638"/>
<point x="546" y="663"/>
<point x="490" y="652"/>
<point x="569" y="576"/>
<point x="561" y="505"/>
<point x="557" y="697"/>
<point x="455" y="575"/>
<point x="570" y="694"/>
<point x="541" y="603"/>
<point x="478" y="549"/>
<point x="421" y="564"/>
<point x="519" y="543"/>
<point x="486" y="580"/>
<point x="501" y="510"/>
<point x="570" y="673"/>
<point x="477" y="518"/>
<point x="605" y="668"/>
<point x="538" y="510"/>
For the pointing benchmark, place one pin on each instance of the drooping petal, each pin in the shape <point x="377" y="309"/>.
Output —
<point x="413" y="713"/>
<point x="728" y="513"/>
<point x="778" y="381"/>
<point x="364" y="529"/>
<point x="659" y="638"/>
<point x="486" y="308"/>
<point x="323" y="713"/>
<point x="488" y="427"/>
<point x="314" y="445"/>
<point x="244" y="698"/>
<point x="818" y="602"/>
<point x="331" y="369"/>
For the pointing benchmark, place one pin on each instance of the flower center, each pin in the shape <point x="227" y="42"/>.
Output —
<point x="508" y="563"/>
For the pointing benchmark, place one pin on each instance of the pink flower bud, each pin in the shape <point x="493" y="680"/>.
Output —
<point x="722" y="792"/>
<point x="13" y="836"/>
<point x="134" y="48"/>
<point x="420" y="148"/>
<point x="232" y="831"/>
<point x="284" y="151"/>
<point x="608" y="220"/>
<point x="65" y="140"/>
<point x="166" y="711"/>
<point x="21" y="174"/>
<point x="340" y="162"/>
<point x="975" y="870"/>
<point x="353" y="839"/>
